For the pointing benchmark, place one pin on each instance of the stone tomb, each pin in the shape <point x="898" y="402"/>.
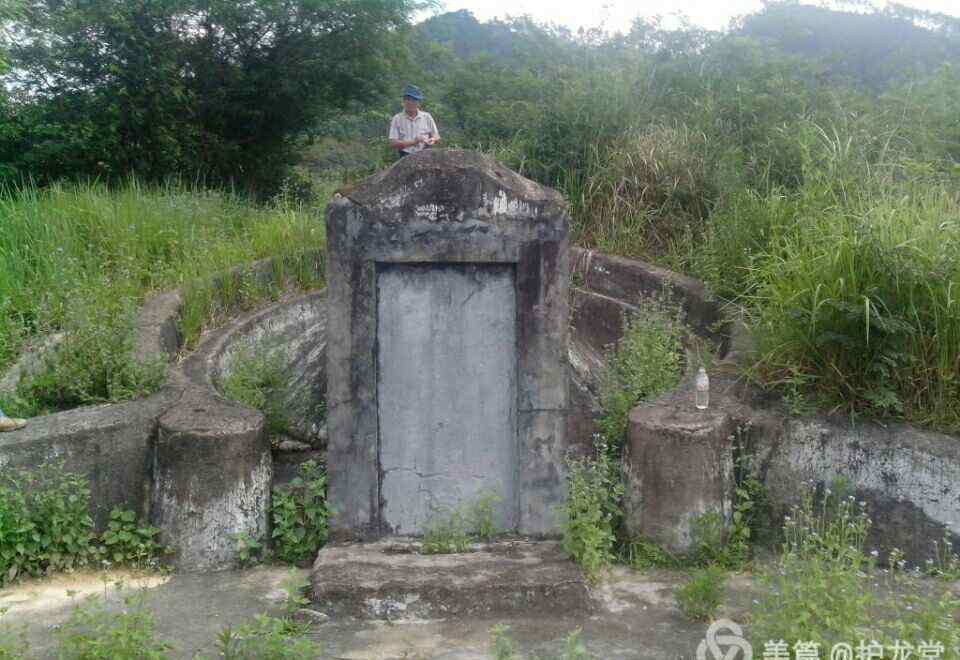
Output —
<point x="447" y="351"/>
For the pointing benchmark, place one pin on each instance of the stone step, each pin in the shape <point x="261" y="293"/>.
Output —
<point x="391" y="579"/>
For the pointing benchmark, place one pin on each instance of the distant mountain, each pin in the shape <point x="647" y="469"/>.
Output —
<point x="875" y="48"/>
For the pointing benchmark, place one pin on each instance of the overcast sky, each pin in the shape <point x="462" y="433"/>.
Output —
<point x="618" y="14"/>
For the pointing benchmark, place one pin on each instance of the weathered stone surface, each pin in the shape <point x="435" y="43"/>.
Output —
<point x="111" y="445"/>
<point x="446" y="390"/>
<point x="292" y="446"/>
<point x="285" y="465"/>
<point x="212" y="480"/>
<point x="628" y="280"/>
<point x="678" y="466"/>
<point x="157" y="334"/>
<point x="439" y="207"/>
<point x="390" y="580"/>
<point x="909" y="478"/>
<point x="292" y="332"/>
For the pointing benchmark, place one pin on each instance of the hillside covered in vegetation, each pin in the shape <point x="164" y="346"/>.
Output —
<point x="805" y="162"/>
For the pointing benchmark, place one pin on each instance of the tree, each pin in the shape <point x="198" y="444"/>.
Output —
<point x="223" y="88"/>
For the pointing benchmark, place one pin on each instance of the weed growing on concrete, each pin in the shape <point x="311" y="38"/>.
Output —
<point x="700" y="597"/>
<point x="646" y="362"/>
<point x="821" y="588"/>
<point x="267" y="638"/>
<point x="946" y="562"/>
<point x="643" y="554"/>
<point x="592" y="511"/>
<point x="249" y="550"/>
<point x="299" y="513"/>
<point x="483" y="515"/>
<point x="93" y="632"/>
<point x="258" y="380"/>
<point x="449" y="531"/>
<point x="502" y="646"/>
<point x="445" y="533"/>
<point x="127" y="542"/>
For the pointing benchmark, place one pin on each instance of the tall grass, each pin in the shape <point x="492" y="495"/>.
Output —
<point x="853" y="280"/>
<point x="645" y="193"/>
<point x="86" y="246"/>
<point x="858" y="304"/>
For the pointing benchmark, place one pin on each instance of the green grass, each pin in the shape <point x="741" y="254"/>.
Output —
<point x="856" y="304"/>
<point x="80" y="257"/>
<point x="258" y="380"/>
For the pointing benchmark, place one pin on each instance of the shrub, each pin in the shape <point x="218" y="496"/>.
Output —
<point x="44" y="522"/>
<point x="647" y="361"/>
<point x="700" y="597"/>
<point x="129" y="543"/>
<point x="299" y="513"/>
<point x="592" y="511"/>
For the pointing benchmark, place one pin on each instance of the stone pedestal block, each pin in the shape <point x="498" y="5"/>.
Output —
<point x="678" y="467"/>
<point x="211" y="481"/>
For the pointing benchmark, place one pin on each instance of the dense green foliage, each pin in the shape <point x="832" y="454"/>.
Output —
<point x="44" y="522"/>
<point x="45" y="526"/>
<point x="298" y="512"/>
<point x="646" y="361"/>
<point x="804" y="163"/>
<point x="219" y="89"/>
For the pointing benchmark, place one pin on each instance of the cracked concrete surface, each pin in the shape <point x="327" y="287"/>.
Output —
<point x="633" y="617"/>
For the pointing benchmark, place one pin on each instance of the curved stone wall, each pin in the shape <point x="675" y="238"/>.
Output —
<point x="200" y="467"/>
<point x="196" y="466"/>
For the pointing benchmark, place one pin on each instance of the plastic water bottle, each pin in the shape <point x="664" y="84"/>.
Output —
<point x="703" y="389"/>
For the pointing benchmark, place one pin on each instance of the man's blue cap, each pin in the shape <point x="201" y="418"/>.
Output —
<point x="413" y="92"/>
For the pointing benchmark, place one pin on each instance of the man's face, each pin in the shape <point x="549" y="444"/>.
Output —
<point x="410" y="105"/>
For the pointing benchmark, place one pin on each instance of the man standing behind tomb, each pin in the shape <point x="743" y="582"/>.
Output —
<point x="413" y="130"/>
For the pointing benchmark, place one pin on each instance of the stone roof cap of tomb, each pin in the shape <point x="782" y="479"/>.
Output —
<point x="447" y="185"/>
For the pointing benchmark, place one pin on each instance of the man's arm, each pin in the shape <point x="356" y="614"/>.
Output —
<point x="403" y="144"/>
<point x="396" y="142"/>
<point x="435" y="133"/>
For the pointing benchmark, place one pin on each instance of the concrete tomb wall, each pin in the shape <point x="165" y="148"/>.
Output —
<point x="446" y="361"/>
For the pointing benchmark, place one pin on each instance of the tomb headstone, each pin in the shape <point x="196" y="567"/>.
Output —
<point x="447" y="381"/>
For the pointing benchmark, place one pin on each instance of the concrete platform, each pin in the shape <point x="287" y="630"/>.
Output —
<point x="390" y="579"/>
